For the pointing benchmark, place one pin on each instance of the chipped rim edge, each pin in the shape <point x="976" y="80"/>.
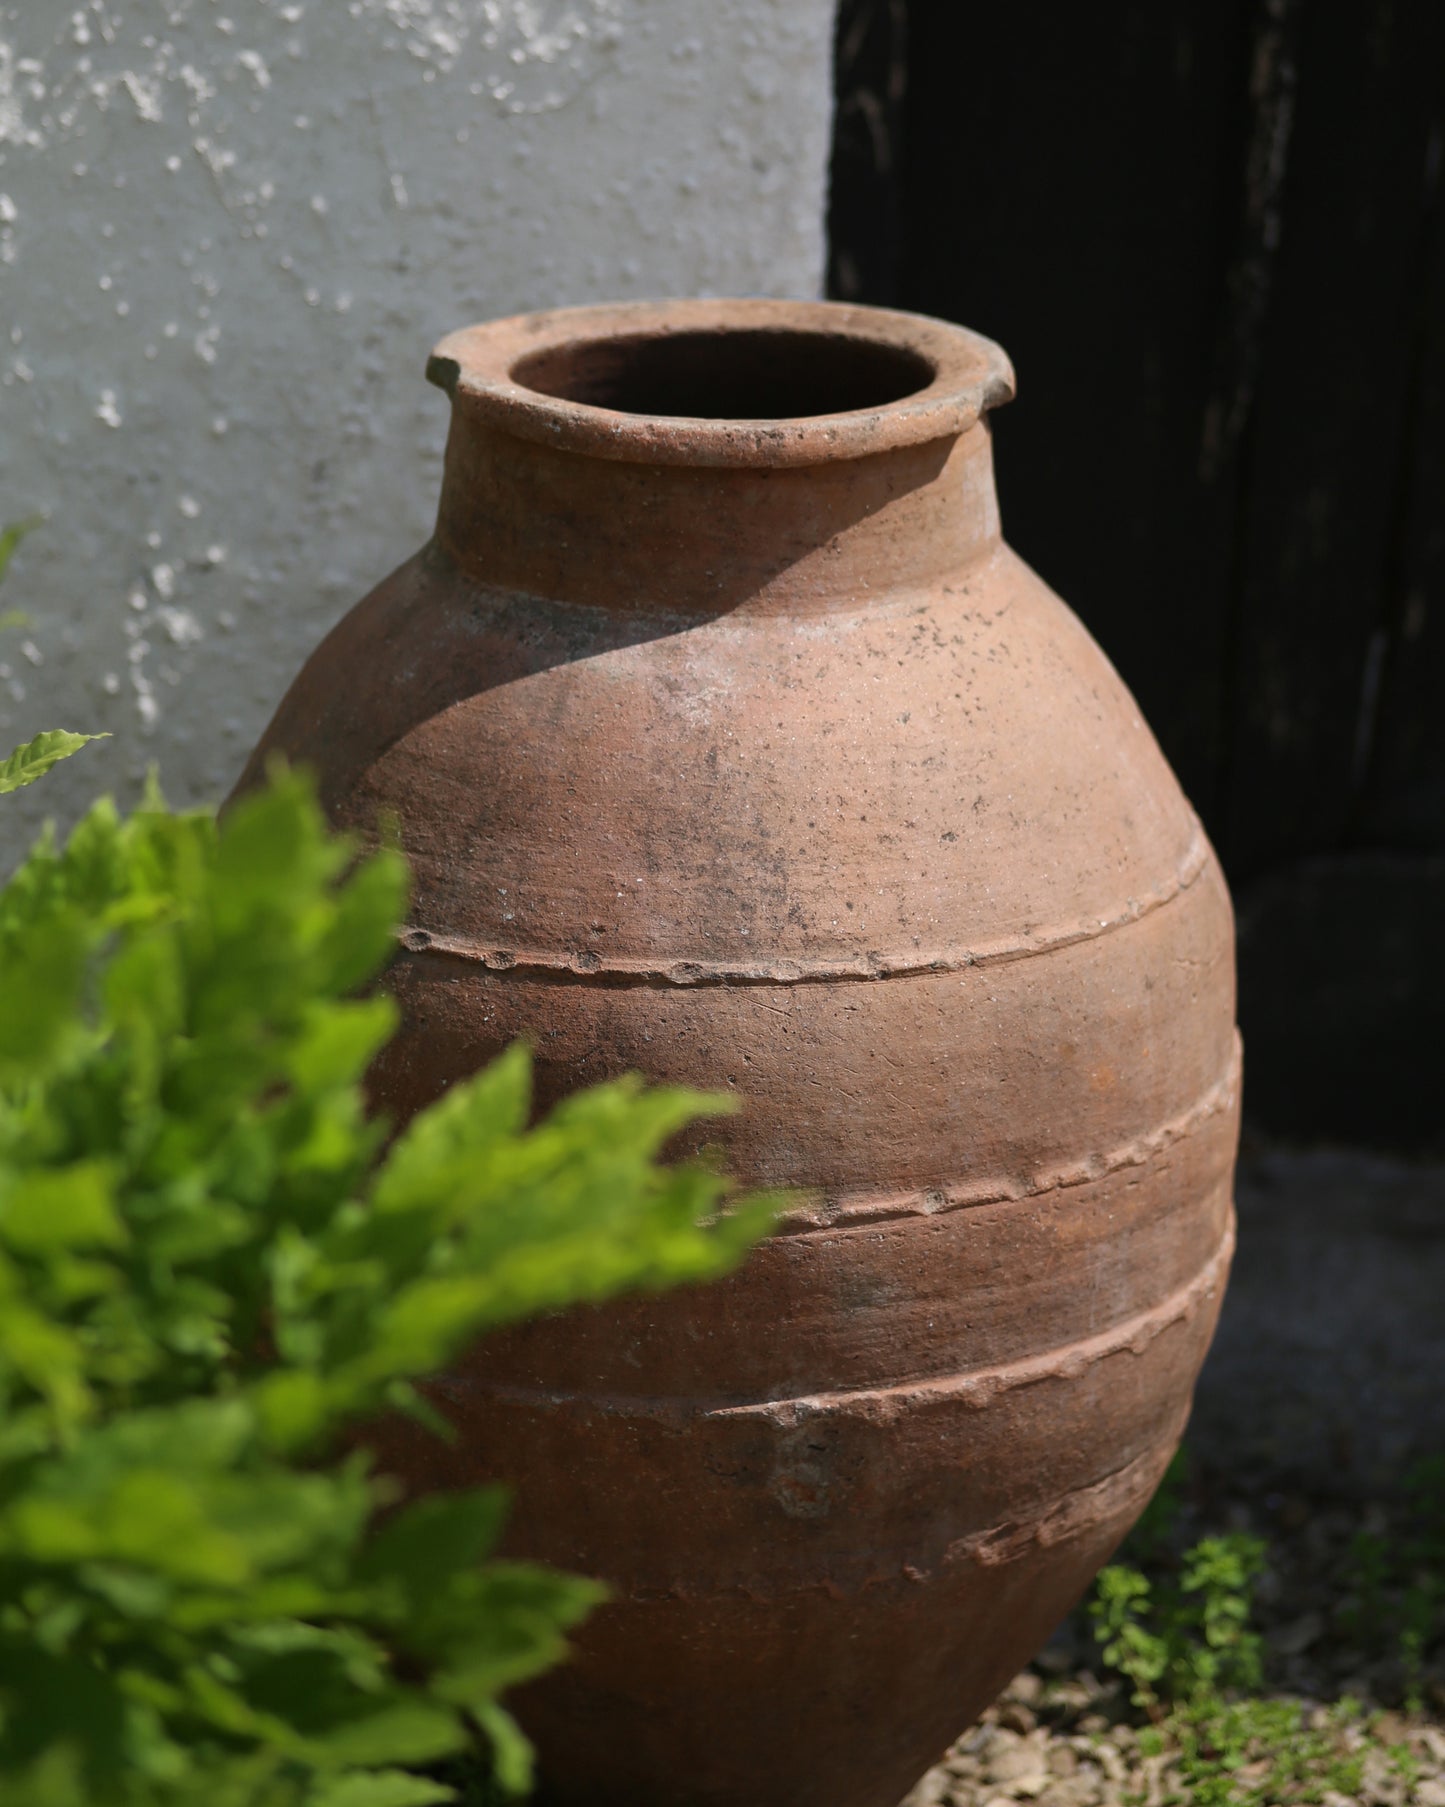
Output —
<point x="971" y="375"/>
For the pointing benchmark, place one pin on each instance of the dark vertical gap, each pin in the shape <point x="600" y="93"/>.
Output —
<point x="1227" y="437"/>
<point x="1232" y="685"/>
<point x="1382" y="665"/>
<point x="870" y="73"/>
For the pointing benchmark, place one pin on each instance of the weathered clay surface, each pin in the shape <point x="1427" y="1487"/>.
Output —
<point x="730" y="743"/>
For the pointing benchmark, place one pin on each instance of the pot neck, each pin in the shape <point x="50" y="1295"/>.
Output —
<point x="704" y="539"/>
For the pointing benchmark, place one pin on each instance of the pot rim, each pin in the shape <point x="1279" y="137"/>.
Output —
<point x="476" y="366"/>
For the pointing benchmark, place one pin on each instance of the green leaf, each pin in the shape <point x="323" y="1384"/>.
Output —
<point x="462" y="1126"/>
<point x="40" y="980"/>
<point x="362" y="937"/>
<point x="11" y="537"/>
<point x="58" y="1700"/>
<point x="338" y="1042"/>
<point x="61" y="1208"/>
<point x="512" y="1754"/>
<point x="380" y="1788"/>
<point x="500" y="1625"/>
<point x="398" y="1731"/>
<point x="155" y="1520"/>
<point x="275" y="856"/>
<point x="55" y="1779"/>
<point x="36" y="757"/>
<point x="48" y="1356"/>
<point x="422" y="1546"/>
<point x="293" y="1407"/>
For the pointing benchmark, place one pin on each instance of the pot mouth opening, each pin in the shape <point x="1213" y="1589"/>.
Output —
<point x="728" y="373"/>
<point x="741" y="382"/>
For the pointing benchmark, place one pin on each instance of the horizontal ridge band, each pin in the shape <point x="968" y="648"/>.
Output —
<point x="974" y="1389"/>
<point x="857" y="1207"/>
<point x="978" y="1389"/>
<point x="589" y="967"/>
<point x="1113" y="1499"/>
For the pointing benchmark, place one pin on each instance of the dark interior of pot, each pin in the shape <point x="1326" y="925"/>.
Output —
<point x="730" y="374"/>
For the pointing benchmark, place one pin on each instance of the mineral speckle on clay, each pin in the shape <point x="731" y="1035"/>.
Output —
<point x="224" y="227"/>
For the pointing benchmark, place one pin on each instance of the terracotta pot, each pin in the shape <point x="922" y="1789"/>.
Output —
<point x="730" y="742"/>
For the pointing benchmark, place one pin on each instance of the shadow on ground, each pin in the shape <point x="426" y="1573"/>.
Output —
<point x="1326" y="1373"/>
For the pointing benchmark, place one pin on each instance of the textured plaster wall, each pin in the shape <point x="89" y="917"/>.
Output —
<point x="230" y="231"/>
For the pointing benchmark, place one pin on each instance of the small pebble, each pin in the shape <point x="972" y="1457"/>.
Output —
<point x="1062" y="1735"/>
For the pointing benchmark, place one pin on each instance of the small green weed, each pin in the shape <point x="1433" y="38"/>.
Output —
<point x="1187" y="1636"/>
<point x="1253" y="1753"/>
<point x="1177" y="1625"/>
<point x="36" y="757"/>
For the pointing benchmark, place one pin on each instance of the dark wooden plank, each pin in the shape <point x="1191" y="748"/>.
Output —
<point x="870" y="70"/>
<point x="1400" y="748"/>
<point x="1328" y="429"/>
<point x="1342" y="994"/>
<point x="1072" y="187"/>
<point x="1213" y="238"/>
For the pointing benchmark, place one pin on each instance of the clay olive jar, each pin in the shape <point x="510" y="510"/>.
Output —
<point x="729" y="742"/>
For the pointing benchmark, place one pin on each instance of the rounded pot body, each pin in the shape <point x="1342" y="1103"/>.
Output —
<point x="730" y="743"/>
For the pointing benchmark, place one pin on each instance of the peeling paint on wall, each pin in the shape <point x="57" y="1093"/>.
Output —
<point x="230" y="231"/>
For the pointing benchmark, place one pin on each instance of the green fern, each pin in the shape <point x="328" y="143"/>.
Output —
<point x="211" y="1264"/>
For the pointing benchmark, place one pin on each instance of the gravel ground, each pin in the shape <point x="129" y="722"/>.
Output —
<point x="1323" y="1389"/>
<point x="1065" y="1735"/>
<point x="1058" y="1745"/>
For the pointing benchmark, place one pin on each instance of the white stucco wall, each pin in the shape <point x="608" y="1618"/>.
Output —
<point x="230" y="231"/>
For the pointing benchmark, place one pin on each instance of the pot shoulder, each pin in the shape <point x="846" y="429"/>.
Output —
<point x="918" y="775"/>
